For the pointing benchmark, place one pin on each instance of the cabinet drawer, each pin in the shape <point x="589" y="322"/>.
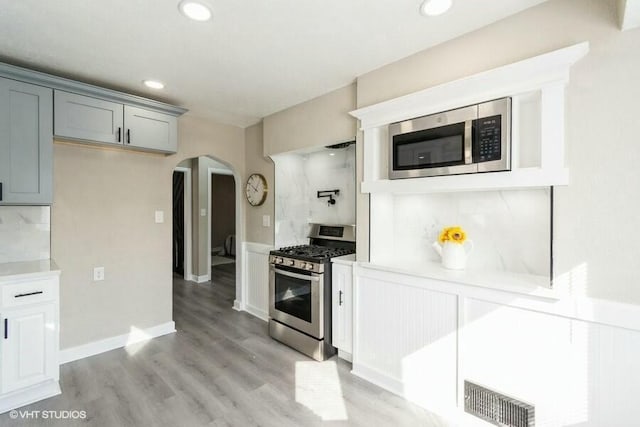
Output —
<point x="33" y="291"/>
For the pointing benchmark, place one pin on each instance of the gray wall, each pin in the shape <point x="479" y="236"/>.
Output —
<point x="256" y="162"/>
<point x="322" y="121"/>
<point x="596" y="215"/>
<point x="103" y="215"/>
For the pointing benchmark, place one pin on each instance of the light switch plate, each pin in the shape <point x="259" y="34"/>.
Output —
<point x="266" y="221"/>
<point x="159" y="217"/>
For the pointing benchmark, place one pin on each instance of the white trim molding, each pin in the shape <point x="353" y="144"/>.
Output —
<point x="133" y="337"/>
<point x="519" y="77"/>
<point x="536" y="87"/>
<point x="199" y="279"/>
<point x="29" y="395"/>
<point x="255" y="283"/>
<point x="239" y="220"/>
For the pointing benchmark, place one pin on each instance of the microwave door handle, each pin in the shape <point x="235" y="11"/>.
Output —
<point x="468" y="142"/>
<point x="296" y="276"/>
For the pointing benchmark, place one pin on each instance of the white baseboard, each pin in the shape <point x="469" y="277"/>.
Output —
<point x="345" y="356"/>
<point x="199" y="279"/>
<point x="237" y="305"/>
<point x="108" y="344"/>
<point x="260" y="314"/>
<point x="29" y="395"/>
<point x="378" y="378"/>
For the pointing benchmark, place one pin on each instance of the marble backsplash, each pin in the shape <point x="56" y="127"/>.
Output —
<point x="298" y="179"/>
<point x="25" y="233"/>
<point x="510" y="230"/>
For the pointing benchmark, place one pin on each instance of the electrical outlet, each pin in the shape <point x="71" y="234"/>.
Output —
<point x="159" y="217"/>
<point x="266" y="220"/>
<point x="98" y="274"/>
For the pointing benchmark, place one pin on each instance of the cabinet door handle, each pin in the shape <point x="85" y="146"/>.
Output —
<point x="28" y="294"/>
<point x="6" y="328"/>
<point x="340" y="293"/>
<point x="119" y="139"/>
<point x="0" y="191"/>
<point x="128" y="136"/>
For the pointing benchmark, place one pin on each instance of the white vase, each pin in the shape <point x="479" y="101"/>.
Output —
<point x="454" y="255"/>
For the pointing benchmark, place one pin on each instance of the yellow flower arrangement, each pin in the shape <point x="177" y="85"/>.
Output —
<point x="453" y="234"/>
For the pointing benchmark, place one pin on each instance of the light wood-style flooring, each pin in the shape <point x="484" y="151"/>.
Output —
<point x="221" y="368"/>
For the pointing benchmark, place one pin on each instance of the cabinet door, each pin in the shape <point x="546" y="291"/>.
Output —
<point x="88" y="119"/>
<point x="150" y="130"/>
<point x="342" y="321"/>
<point x="26" y="143"/>
<point x="28" y="349"/>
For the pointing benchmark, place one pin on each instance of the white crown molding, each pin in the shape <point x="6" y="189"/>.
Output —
<point x="519" y="77"/>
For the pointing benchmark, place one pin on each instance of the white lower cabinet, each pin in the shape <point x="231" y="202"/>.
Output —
<point x="342" y="309"/>
<point x="29" y="368"/>
<point x="28" y="347"/>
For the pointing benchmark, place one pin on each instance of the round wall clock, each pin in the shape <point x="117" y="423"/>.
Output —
<point x="256" y="190"/>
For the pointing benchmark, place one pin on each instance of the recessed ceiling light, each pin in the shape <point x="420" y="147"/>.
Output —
<point x="195" y="9"/>
<point x="153" y="84"/>
<point x="434" y="7"/>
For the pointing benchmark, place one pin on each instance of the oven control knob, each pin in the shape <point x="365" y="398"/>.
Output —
<point x="291" y="262"/>
<point x="278" y="260"/>
<point x="309" y="266"/>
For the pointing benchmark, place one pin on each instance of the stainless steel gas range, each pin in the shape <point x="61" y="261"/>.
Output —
<point x="300" y="289"/>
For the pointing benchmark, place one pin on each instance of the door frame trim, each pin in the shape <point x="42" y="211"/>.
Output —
<point x="210" y="173"/>
<point x="188" y="256"/>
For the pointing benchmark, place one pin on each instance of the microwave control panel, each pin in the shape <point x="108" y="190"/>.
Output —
<point x="487" y="144"/>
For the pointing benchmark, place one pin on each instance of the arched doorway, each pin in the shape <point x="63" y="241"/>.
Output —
<point x="201" y="243"/>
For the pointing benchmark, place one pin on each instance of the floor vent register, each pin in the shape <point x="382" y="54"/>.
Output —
<point x="497" y="408"/>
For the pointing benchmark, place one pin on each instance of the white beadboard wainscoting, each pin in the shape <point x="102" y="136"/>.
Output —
<point x="574" y="358"/>
<point x="255" y="279"/>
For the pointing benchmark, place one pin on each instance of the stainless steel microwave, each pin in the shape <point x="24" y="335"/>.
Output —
<point x="471" y="139"/>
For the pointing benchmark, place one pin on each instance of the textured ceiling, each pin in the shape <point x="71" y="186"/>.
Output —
<point x="255" y="57"/>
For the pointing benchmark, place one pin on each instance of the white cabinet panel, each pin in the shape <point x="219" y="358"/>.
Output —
<point x="28" y="347"/>
<point x="342" y="299"/>
<point x="88" y="119"/>
<point x="406" y="340"/>
<point x="150" y="130"/>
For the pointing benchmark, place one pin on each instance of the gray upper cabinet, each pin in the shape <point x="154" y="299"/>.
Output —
<point x="36" y="106"/>
<point x="88" y="119"/>
<point x="26" y="143"/>
<point x="150" y="130"/>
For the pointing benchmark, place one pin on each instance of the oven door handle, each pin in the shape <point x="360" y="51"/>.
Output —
<point x="295" y="275"/>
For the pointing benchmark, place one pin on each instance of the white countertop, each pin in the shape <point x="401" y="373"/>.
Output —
<point x="498" y="280"/>
<point x="28" y="269"/>
<point x="344" y="259"/>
